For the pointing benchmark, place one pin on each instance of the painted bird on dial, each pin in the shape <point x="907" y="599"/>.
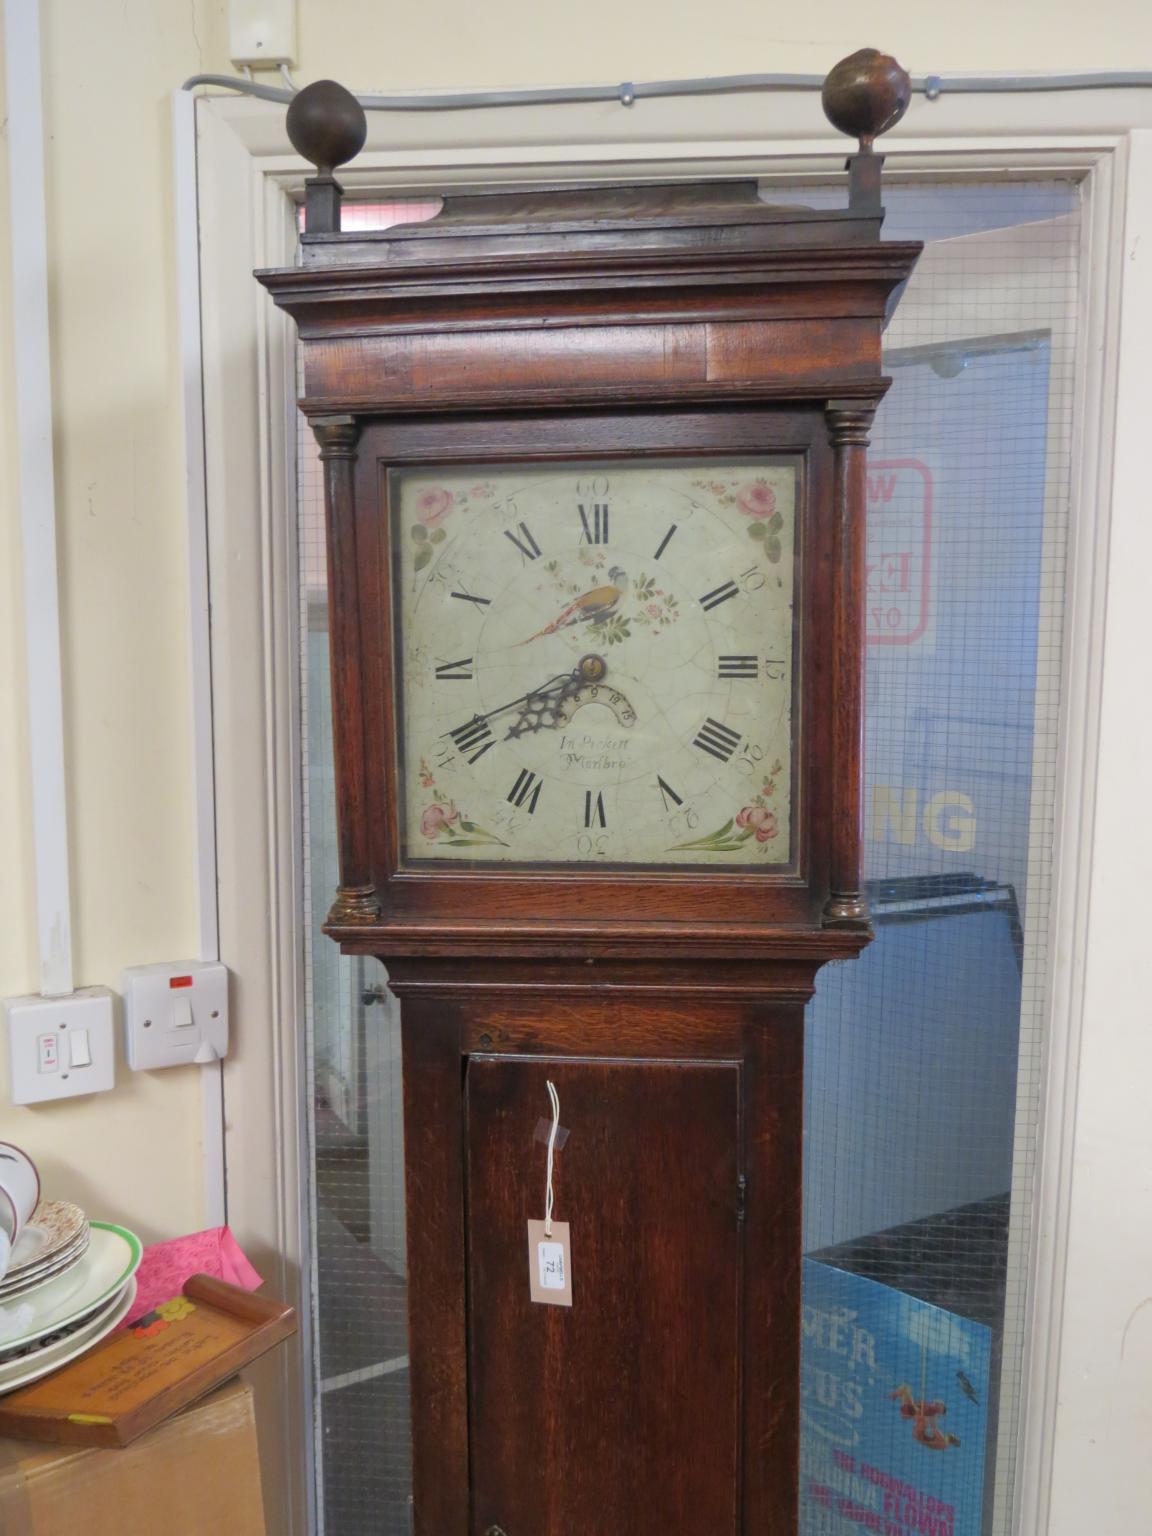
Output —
<point x="589" y="607"/>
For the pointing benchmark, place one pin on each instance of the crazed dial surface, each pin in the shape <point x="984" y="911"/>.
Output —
<point x="596" y="662"/>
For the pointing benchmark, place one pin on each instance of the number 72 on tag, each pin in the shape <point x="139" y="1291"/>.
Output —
<point x="550" y="1264"/>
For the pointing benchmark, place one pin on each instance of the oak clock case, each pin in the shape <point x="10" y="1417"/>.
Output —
<point x="594" y="487"/>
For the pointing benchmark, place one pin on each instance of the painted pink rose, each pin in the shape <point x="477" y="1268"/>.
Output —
<point x="756" y="500"/>
<point x="436" y="818"/>
<point x="762" y="821"/>
<point x="433" y="506"/>
<point x="653" y="610"/>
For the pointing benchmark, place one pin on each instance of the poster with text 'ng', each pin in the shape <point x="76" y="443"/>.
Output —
<point x="894" y="1412"/>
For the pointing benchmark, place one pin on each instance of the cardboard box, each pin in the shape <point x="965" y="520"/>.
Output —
<point x="901" y="1354"/>
<point x="196" y="1475"/>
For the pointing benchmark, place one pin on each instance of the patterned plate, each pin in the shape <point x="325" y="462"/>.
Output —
<point x="54" y="1225"/>
<point x="39" y="1274"/>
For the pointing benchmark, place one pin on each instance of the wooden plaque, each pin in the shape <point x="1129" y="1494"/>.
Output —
<point x="136" y="1378"/>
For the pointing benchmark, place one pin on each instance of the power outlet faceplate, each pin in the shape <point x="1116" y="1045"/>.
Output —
<point x="175" y="1014"/>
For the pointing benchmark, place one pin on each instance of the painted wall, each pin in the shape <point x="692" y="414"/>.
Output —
<point x="109" y="66"/>
<point x="519" y="42"/>
<point x="132" y="1154"/>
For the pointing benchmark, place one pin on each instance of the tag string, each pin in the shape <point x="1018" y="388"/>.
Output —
<point x="549" y="1197"/>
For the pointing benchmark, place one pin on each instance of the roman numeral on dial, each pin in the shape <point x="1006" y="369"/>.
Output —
<point x="594" y="809"/>
<point x="524" y="542"/>
<point x="668" y="793"/>
<point x="665" y="541"/>
<point x="473" y="739"/>
<point x="737" y="666"/>
<point x="455" y="671"/>
<point x="594" y="526"/>
<point x="525" y="792"/>
<point x="470" y="597"/>
<point x="719" y="741"/>
<point x="719" y="595"/>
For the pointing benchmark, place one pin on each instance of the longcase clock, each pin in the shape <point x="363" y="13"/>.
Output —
<point x="594" y="475"/>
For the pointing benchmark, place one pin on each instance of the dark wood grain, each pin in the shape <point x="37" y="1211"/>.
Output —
<point x="621" y="1413"/>
<point x="355" y="899"/>
<point x="773" y="1106"/>
<point x="667" y="1005"/>
<point x="397" y="372"/>
<point x="848" y="431"/>
<point x="437" y="1276"/>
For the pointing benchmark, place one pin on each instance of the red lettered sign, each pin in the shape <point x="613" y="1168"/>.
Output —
<point x="899" y="551"/>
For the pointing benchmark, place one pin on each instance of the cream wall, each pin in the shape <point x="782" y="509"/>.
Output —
<point x="368" y="44"/>
<point x="108" y="68"/>
<point x="132" y="1154"/>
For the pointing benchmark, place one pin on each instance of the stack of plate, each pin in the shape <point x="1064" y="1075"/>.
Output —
<point x="67" y="1288"/>
<point x="54" y="1240"/>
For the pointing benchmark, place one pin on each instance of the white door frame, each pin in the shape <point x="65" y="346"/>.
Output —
<point x="1086" y="1319"/>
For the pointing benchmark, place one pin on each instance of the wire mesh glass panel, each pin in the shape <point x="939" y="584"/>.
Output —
<point x="924" y="1057"/>
<point x="357" y="1135"/>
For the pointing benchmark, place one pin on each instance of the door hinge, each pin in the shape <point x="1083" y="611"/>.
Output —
<point x="741" y="1199"/>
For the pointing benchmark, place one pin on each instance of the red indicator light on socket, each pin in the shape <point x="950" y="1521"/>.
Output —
<point x="180" y="981"/>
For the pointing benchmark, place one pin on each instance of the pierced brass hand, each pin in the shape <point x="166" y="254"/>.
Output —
<point x="584" y="685"/>
<point x="544" y="689"/>
<point x="546" y="708"/>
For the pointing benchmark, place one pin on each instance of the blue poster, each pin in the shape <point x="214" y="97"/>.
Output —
<point x="894" y="1412"/>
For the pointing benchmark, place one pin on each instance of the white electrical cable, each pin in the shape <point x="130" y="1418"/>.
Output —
<point x="628" y="92"/>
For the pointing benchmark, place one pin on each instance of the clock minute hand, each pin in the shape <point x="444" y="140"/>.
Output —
<point x="533" y="693"/>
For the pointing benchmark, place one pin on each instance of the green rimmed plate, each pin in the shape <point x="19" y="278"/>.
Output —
<point x="113" y="1257"/>
<point x="61" y="1347"/>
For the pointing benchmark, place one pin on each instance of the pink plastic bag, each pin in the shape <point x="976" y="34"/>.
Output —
<point x="165" y="1267"/>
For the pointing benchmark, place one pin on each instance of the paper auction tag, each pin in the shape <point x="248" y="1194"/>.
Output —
<point x="550" y="1264"/>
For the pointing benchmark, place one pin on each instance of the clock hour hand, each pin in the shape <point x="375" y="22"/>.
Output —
<point x="543" y="708"/>
<point x="549" y="708"/>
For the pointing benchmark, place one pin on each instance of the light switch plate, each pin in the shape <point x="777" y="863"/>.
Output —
<point x="175" y="1014"/>
<point x="60" y="1047"/>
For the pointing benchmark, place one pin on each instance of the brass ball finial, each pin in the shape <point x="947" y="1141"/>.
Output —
<point x="327" y="125"/>
<point x="866" y="94"/>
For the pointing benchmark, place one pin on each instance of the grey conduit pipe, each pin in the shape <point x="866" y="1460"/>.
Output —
<point x="627" y="93"/>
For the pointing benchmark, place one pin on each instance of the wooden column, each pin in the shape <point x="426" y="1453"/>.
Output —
<point x="356" y="900"/>
<point x="848" y="424"/>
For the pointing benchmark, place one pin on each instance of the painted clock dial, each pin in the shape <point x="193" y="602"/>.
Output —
<point x="596" y="661"/>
